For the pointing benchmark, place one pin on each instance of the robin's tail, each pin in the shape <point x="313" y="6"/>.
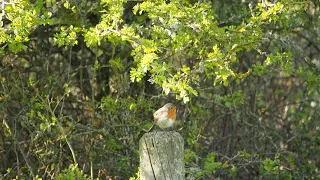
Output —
<point x="145" y="131"/>
<point x="151" y="128"/>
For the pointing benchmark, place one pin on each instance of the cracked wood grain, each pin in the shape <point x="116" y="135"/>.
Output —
<point x="162" y="156"/>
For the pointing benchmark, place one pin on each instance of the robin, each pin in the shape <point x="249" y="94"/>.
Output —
<point x="165" y="116"/>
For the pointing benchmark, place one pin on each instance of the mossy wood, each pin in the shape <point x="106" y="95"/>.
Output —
<point x="162" y="156"/>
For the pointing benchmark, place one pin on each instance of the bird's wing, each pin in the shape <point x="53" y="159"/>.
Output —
<point x="160" y="113"/>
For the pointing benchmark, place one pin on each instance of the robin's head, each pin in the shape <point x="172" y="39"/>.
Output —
<point x="166" y="111"/>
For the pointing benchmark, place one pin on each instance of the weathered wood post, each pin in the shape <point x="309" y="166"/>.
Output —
<point x="162" y="156"/>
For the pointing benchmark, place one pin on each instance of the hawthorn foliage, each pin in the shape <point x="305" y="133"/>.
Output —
<point x="81" y="79"/>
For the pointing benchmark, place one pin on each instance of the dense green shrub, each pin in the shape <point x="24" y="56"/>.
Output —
<point x="80" y="80"/>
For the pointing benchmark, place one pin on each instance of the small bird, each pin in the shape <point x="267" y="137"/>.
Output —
<point x="165" y="116"/>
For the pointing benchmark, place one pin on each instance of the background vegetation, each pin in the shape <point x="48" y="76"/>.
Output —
<point x="80" y="80"/>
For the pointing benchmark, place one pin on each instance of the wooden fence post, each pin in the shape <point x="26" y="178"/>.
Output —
<point x="162" y="156"/>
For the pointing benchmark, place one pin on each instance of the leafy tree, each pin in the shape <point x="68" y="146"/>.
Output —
<point x="81" y="79"/>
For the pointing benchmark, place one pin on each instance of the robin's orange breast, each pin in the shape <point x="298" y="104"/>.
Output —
<point x="172" y="113"/>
